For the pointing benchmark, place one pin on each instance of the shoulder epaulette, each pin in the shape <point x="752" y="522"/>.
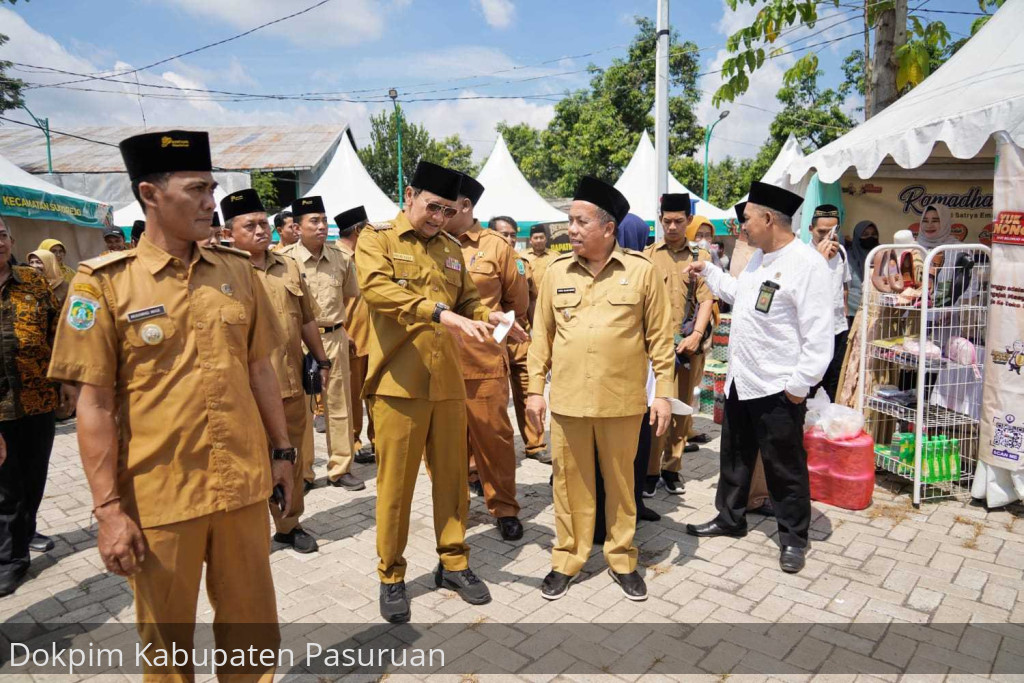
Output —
<point x="638" y="254"/>
<point x="94" y="264"/>
<point x="383" y="226"/>
<point x="452" y="238"/>
<point x="559" y="257"/>
<point x="227" y="250"/>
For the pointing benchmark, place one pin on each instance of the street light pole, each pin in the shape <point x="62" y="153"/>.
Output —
<point x="661" y="107"/>
<point x="707" y="142"/>
<point x="44" y="125"/>
<point x="393" y="94"/>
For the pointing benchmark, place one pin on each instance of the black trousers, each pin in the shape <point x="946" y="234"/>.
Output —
<point x="830" y="381"/>
<point x="640" y="460"/>
<point x="774" y="425"/>
<point x="22" y="481"/>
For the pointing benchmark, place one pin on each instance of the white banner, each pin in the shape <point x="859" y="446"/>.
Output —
<point x="1002" y="423"/>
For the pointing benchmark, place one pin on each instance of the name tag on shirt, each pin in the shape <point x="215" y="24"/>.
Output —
<point x="452" y="263"/>
<point x="398" y="256"/>
<point x="146" y="313"/>
<point x="765" y="296"/>
<point x="565" y="290"/>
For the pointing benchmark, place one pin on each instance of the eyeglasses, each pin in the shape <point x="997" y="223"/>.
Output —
<point x="434" y="208"/>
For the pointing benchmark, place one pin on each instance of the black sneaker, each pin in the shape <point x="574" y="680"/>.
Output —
<point x="650" y="486"/>
<point x="469" y="587"/>
<point x="366" y="455"/>
<point x="299" y="540"/>
<point x="476" y="488"/>
<point x="41" y="544"/>
<point x="394" y="603"/>
<point x="556" y="584"/>
<point x="632" y="584"/>
<point x="673" y="483"/>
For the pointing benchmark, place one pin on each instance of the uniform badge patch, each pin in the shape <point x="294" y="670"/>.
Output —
<point x="453" y="264"/>
<point x="521" y="268"/>
<point x="82" y="312"/>
<point x="86" y="288"/>
<point x="152" y="334"/>
<point x="226" y="288"/>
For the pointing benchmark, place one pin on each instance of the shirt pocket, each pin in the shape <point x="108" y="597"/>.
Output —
<point x="566" y="305"/>
<point x="625" y="309"/>
<point x="407" y="271"/>
<point x="234" y="326"/>
<point x="294" y="289"/>
<point x="153" y="346"/>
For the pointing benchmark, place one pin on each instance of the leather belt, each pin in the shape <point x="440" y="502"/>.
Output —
<point x="332" y="328"/>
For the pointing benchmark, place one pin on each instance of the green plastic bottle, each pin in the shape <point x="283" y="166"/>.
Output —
<point x="954" y="459"/>
<point x="926" y="460"/>
<point x="941" y="459"/>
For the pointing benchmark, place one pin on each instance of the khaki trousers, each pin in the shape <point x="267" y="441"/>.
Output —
<point x="519" y="380"/>
<point x="410" y="430"/>
<point x="300" y="435"/>
<point x="492" y="449"/>
<point x="337" y="405"/>
<point x="235" y="546"/>
<point x="667" y="450"/>
<point x="358" y="366"/>
<point x="574" y="441"/>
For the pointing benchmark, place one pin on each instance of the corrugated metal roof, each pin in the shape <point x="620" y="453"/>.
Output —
<point x="232" y="148"/>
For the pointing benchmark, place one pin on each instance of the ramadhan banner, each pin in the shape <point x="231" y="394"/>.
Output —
<point x="1002" y="423"/>
<point x="24" y="202"/>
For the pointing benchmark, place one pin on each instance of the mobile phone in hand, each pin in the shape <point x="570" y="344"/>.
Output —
<point x="277" y="498"/>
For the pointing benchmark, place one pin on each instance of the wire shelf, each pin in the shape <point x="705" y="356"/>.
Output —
<point x="935" y="417"/>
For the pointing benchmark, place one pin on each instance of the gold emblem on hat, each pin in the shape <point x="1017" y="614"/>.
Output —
<point x="168" y="141"/>
<point x="152" y="334"/>
<point x="226" y="288"/>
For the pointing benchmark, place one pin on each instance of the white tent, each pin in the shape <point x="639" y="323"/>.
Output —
<point x="34" y="209"/>
<point x="126" y="216"/>
<point x="346" y="184"/>
<point x="508" y="193"/>
<point x="777" y="175"/>
<point x="978" y="92"/>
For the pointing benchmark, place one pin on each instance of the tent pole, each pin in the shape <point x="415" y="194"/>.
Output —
<point x="44" y="125"/>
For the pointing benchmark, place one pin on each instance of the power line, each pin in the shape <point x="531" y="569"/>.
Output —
<point x="201" y="48"/>
<point x="57" y="132"/>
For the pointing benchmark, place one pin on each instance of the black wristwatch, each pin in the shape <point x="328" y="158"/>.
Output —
<point x="438" y="310"/>
<point x="284" y="454"/>
<point x="325" y="363"/>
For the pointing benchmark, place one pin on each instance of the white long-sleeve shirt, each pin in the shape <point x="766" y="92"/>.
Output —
<point x="789" y="347"/>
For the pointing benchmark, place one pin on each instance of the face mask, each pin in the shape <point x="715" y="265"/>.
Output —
<point x="703" y="244"/>
<point x="869" y="242"/>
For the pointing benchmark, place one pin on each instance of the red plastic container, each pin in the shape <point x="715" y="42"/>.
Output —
<point x="842" y="473"/>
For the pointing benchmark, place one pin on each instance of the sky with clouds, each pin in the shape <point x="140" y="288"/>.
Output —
<point x="460" y="66"/>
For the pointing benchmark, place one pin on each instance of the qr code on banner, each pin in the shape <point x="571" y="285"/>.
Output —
<point x="1008" y="436"/>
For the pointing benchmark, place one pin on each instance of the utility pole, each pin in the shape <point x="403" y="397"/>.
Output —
<point x="44" y="125"/>
<point x="393" y="94"/>
<point x="661" y="107"/>
<point x="707" y="143"/>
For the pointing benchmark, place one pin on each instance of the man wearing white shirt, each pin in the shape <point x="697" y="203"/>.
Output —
<point x="780" y="347"/>
<point x="824" y="238"/>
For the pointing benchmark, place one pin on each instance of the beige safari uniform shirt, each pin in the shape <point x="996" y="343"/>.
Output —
<point x="596" y="335"/>
<point x="402" y="277"/>
<point x="294" y="307"/>
<point x="539" y="263"/>
<point x="357" y="317"/>
<point x="174" y="340"/>
<point x="492" y="266"/>
<point x="331" y="279"/>
<point x="671" y="264"/>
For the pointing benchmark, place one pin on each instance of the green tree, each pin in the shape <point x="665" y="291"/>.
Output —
<point x="263" y="183"/>
<point x="380" y="157"/>
<point x="10" y="88"/>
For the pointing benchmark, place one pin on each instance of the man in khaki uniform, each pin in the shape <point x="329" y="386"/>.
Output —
<point x="170" y="344"/>
<point x="672" y="257"/>
<point x="416" y="285"/>
<point x="357" y="324"/>
<point x="331" y="277"/>
<point x="492" y="448"/>
<point x="538" y="255"/>
<point x="284" y="223"/>
<point x="602" y="313"/>
<point x="245" y="221"/>
<point x="518" y="376"/>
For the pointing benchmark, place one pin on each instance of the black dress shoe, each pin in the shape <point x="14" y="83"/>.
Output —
<point x="41" y="544"/>
<point x="366" y="455"/>
<point x="9" y="583"/>
<point x="556" y="584"/>
<point x="713" y="528"/>
<point x="632" y="584"/>
<point x="510" y="527"/>
<point x="299" y="540"/>
<point x="647" y="514"/>
<point x="469" y="587"/>
<point x="701" y="438"/>
<point x="348" y="481"/>
<point x="476" y="488"/>
<point x="691" y="448"/>
<point x="308" y="486"/>
<point x="792" y="559"/>
<point x="766" y="509"/>
<point x="394" y="603"/>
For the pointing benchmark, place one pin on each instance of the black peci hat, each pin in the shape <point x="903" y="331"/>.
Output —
<point x="603" y="195"/>
<point x="826" y="211"/>
<point x="138" y="227"/>
<point x="346" y="220"/>
<point x="739" y="211"/>
<point x="215" y="223"/>
<point x="313" y="204"/>
<point x="166" y="152"/>
<point x="772" y="197"/>
<point x="240" y="203"/>
<point x="678" y="201"/>
<point x="444" y="182"/>
<point x="471" y="189"/>
<point x="538" y="228"/>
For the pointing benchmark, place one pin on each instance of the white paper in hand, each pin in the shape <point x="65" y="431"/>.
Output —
<point x="501" y="331"/>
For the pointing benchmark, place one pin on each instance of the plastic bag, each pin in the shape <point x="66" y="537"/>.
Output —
<point x="816" y="405"/>
<point x="840" y="423"/>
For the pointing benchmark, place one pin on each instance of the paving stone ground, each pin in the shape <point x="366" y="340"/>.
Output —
<point x="947" y="561"/>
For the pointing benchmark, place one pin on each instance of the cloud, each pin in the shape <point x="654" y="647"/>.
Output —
<point x="498" y="13"/>
<point x="348" y="22"/>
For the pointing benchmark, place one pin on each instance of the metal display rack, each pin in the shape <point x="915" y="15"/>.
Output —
<point x="921" y="365"/>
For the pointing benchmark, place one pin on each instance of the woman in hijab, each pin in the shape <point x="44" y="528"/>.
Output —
<point x="60" y="251"/>
<point x="46" y="263"/>
<point x="699" y="233"/>
<point x="865" y="238"/>
<point x="936" y="227"/>
<point x="633" y="232"/>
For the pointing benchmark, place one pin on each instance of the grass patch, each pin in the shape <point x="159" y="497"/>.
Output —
<point x="897" y="514"/>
